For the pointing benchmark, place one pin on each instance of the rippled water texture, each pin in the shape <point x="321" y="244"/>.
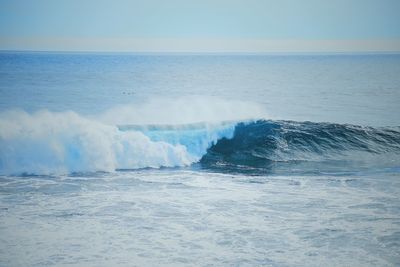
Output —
<point x="150" y="160"/>
<point x="195" y="218"/>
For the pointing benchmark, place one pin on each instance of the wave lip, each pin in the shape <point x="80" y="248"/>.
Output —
<point x="269" y="144"/>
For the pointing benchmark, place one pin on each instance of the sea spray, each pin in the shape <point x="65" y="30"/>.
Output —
<point x="47" y="142"/>
<point x="63" y="142"/>
<point x="183" y="110"/>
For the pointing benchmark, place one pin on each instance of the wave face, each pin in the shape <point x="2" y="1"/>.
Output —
<point x="270" y="145"/>
<point x="195" y="137"/>
<point x="51" y="143"/>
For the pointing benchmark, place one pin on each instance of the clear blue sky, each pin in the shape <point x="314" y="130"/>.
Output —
<point x="32" y="20"/>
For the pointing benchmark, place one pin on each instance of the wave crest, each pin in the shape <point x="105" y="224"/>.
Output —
<point x="46" y="142"/>
<point x="51" y="143"/>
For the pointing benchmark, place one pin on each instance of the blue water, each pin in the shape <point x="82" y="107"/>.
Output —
<point x="119" y="159"/>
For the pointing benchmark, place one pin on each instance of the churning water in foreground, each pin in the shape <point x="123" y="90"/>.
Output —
<point x="239" y="160"/>
<point x="186" y="217"/>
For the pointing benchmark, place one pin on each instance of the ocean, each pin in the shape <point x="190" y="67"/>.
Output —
<point x="111" y="159"/>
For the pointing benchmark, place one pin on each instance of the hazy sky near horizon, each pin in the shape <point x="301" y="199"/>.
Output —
<point x="67" y="24"/>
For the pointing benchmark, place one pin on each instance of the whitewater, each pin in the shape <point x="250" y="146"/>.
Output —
<point x="46" y="142"/>
<point x="185" y="160"/>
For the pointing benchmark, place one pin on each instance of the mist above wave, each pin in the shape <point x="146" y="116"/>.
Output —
<point x="183" y="110"/>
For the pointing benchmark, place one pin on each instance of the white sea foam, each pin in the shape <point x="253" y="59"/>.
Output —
<point x="47" y="142"/>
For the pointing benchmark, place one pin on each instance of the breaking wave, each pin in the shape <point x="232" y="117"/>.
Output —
<point x="47" y="142"/>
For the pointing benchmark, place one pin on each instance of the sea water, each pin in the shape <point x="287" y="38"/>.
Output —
<point x="199" y="160"/>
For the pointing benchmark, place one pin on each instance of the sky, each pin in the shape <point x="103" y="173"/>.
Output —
<point x="203" y="26"/>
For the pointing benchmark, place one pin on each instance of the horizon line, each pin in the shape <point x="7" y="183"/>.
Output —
<point x="139" y="53"/>
<point x="197" y="45"/>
